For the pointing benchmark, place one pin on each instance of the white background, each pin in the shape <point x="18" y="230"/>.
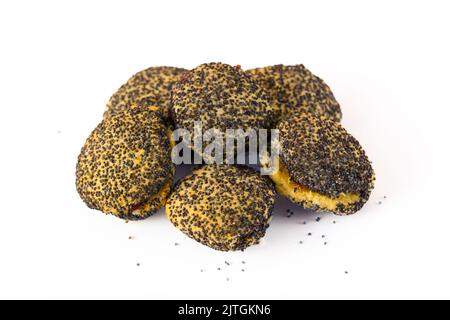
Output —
<point x="388" y="65"/>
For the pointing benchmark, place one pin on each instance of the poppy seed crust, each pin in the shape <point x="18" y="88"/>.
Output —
<point x="220" y="97"/>
<point x="221" y="206"/>
<point x="321" y="166"/>
<point x="149" y="87"/>
<point x="296" y="89"/>
<point x="125" y="168"/>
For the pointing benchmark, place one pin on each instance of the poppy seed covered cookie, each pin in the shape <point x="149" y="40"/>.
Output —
<point x="149" y="87"/>
<point x="222" y="97"/>
<point x="125" y="168"/>
<point x="296" y="89"/>
<point x="221" y="206"/>
<point x="321" y="166"/>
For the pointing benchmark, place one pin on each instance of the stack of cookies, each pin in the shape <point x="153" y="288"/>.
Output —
<point x="125" y="167"/>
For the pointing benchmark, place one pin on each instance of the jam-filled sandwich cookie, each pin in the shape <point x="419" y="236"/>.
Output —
<point x="321" y="166"/>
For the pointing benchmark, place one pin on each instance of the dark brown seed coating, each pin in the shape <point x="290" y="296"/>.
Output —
<point x="150" y="87"/>
<point x="125" y="168"/>
<point x="221" y="206"/>
<point x="322" y="156"/>
<point x="220" y="96"/>
<point x="296" y="89"/>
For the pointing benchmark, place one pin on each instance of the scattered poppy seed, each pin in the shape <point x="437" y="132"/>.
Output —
<point x="218" y="269"/>
<point x="323" y="236"/>
<point x="309" y="234"/>
<point x="177" y="244"/>
<point x="318" y="219"/>
<point x="227" y="263"/>
<point x="243" y="270"/>
<point x="325" y="243"/>
<point x="138" y="264"/>
<point x="243" y="262"/>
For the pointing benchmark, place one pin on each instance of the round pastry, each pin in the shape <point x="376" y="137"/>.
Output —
<point x="321" y="166"/>
<point x="221" y="206"/>
<point x="150" y="87"/>
<point x="125" y="167"/>
<point x="220" y="97"/>
<point x="296" y="89"/>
